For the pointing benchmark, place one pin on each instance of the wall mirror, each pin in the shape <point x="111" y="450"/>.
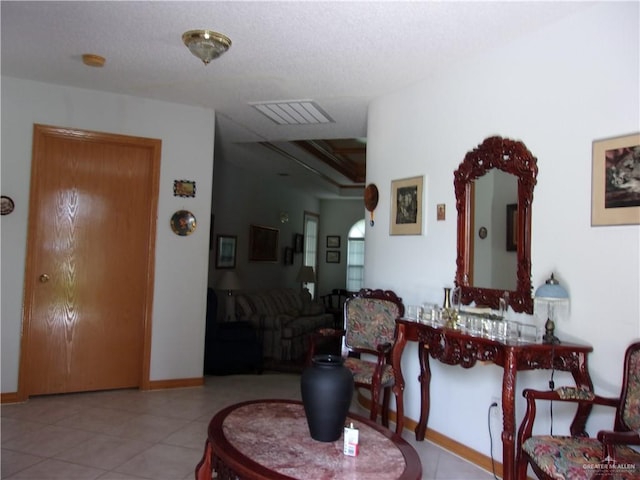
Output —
<point x="494" y="194"/>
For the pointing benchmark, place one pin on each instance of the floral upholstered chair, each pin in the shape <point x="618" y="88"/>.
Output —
<point x="580" y="457"/>
<point x="369" y="328"/>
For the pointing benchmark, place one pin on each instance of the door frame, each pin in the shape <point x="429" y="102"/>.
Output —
<point x="40" y="132"/>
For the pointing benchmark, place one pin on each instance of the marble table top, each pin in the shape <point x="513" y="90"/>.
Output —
<point x="273" y="435"/>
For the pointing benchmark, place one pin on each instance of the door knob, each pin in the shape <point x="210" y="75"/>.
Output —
<point x="44" y="278"/>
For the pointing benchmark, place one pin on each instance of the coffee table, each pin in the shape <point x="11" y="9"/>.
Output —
<point x="269" y="440"/>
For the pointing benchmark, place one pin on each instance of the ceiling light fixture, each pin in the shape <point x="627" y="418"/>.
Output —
<point x="206" y="44"/>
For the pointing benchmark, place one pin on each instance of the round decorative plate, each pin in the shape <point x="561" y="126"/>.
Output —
<point x="6" y="205"/>
<point x="183" y="223"/>
<point x="482" y="233"/>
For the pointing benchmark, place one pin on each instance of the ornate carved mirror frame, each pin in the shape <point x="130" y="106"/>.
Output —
<point x="514" y="158"/>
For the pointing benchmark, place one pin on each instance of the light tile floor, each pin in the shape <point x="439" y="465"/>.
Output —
<point x="133" y="435"/>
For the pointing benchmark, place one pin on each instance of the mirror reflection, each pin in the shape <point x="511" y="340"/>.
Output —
<point x="494" y="195"/>
<point x="494" y="264"/>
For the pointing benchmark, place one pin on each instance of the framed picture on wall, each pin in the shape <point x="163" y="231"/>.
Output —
<point x="333" y="256"/>
<point x="333" y="241"/>
<point x="298" y="241"/>
<point x="184" y="188"/>
<point x="288" y="256"/>
<point x="226" y="251"/>
<point x="263" y="244"/>
<point x="615" y="193"/>
<point x="406" y="206"/>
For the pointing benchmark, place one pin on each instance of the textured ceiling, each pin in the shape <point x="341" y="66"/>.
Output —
<point x="339" y="54"/>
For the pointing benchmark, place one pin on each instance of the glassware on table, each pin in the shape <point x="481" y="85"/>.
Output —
<point x="430" y="313"/>
<point x="474" y="325"/>
<point x="456" y="298"/>
<point x="414" y="312"/>
<point x="530" y="333"/>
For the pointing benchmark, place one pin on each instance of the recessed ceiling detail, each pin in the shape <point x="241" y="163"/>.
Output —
<point x="347" y="156"/>
<point x="293" y="112"/>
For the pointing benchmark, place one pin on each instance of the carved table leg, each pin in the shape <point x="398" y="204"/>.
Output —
<point x="204" y="469"/>
<point x="398" y="386"/>
<point x="425" y="385"/>
<point x="508" y="414"/>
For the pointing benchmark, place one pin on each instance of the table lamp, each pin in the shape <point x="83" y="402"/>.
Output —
<point x="230" y="282"/>
<point x="551" y="297"/>
<point x="306" y="275"/>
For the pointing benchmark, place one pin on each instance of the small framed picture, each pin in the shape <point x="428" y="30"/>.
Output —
<point x="298" y="240"/>
<point x="333" y="256"/>
<point x="406" y="206"/>
<point x="615" y="192"/>
<point x="226" y="251"/>
<point x="184" y="188"/>
<point x="288" y="256"/>
<point x="333" y="241"/>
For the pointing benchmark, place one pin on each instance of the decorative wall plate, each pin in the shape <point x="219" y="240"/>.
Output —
<point x="371" y="199"/>
<point x="183" y="223"/>
<point x="6" y="205"/>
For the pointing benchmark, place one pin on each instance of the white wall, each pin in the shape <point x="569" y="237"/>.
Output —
<point x="187" y="135"/>
<point x="557" y="90"/>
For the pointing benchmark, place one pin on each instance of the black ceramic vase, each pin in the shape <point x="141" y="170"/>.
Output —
<point x="327" y="389"/>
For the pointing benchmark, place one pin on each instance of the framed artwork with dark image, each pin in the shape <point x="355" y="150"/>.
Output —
<point x="298" y="241"/>
<point x="512" y="227"/>
<point x="615" y="189"/>
<point x="263" y="244"/>
<point x="226" y="251"/>
<point x="288" y="256"/>
<point x="333" y="256"/>
<point x="406" y="206"/>
<point x="333" y="241"/>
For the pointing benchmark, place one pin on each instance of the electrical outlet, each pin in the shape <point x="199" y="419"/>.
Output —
<point x="495" y="415"/>
<point x="495" y="411"/>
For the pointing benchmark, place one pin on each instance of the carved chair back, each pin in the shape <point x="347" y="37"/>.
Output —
<point x="628" y="417"/>
<point x="370" y="319"/>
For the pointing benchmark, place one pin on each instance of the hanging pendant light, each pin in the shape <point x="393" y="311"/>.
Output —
<point x="206" y="44"/>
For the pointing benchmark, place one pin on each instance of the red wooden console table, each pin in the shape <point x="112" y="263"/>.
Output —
<point x="454" y="347"/>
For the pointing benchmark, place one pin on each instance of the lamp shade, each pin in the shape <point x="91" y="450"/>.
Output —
<point x="229" y="281"/>
<point x="551" y="290"/>
<point x="306" y="274"/>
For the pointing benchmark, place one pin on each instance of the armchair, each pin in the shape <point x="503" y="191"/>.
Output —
<point x="369" y="328"/>
<point x="578" y="456"/>
<point x="334" y="303"/>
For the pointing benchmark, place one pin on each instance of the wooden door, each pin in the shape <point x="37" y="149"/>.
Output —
<point x="90" y="261"/>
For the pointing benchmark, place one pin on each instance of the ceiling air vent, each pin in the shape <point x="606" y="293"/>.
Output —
<point x="293" y="112"/>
